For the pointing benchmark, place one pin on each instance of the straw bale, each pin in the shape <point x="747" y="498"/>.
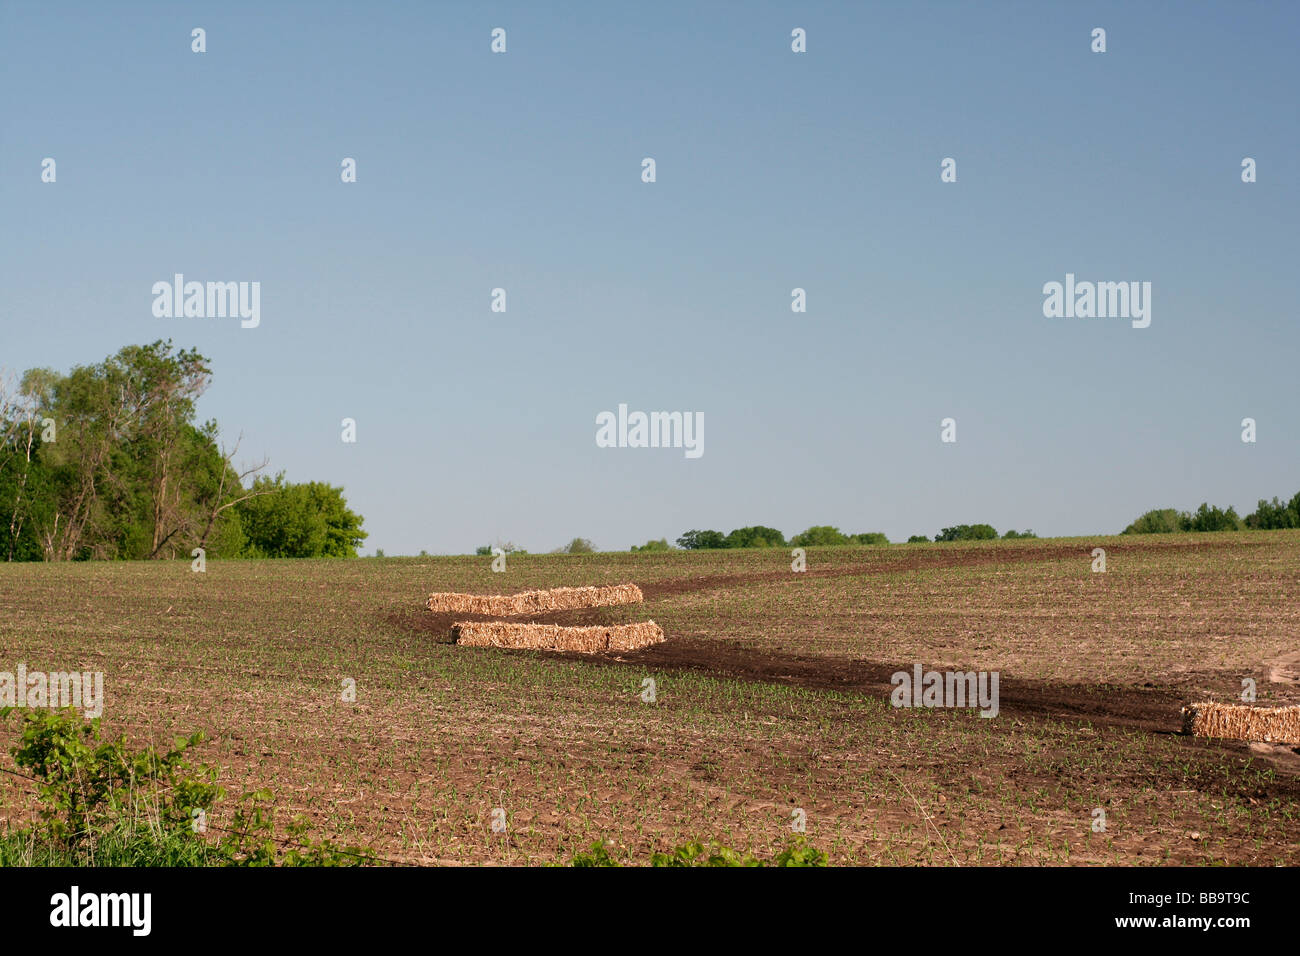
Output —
<point x="535" y="602"/>
<point x="1243" y="722"/>
<point x="553" y="637"/>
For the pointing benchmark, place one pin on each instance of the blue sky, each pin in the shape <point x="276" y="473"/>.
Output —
<point x="775" y="170"/>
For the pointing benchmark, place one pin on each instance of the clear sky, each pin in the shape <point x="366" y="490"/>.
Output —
<point x="775" y="170"/>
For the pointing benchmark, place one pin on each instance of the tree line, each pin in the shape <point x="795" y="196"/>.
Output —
<point x="822" y="535"/>
<point x="1267" y="516"/>
<point x="108" y="462"/>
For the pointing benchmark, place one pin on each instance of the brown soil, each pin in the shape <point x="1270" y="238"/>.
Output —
<point x="1148" y="708"/>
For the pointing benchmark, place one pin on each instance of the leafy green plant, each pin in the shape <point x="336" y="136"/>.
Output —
<point x="88" y="784"/>
<point x="103" y="803"/>
<point x="799" y="853"/>
<point x="597" y="855"/>
<point x="796" y="853"/>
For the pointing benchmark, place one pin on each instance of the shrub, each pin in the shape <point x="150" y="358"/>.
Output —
<point x="87" y="784"/>
<point x="104" y="804"/>
<point x="918" y="539"/>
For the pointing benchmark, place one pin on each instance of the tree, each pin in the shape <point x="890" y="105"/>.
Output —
<point x="819" y="535"/>
<point x="1158" y="521"/>
<point x="311" y="520"/>
<point x="967" y="532"/>
<point x="660" y="545"/>
<point x="508" y="547"/>
<point x="869" y="537"/>
<point x="918" y="539"/>
<point x="1275" y="514"/>
<point x="1013" y="534"/>
<point x="129" y="473"/>
<point x="1213" y="518"/>
<point x="108" y="461"/>
<point x="755" y="536"/>
<point x="578" y="546"/>
<point x="701" y="540"/>
<point x="229" y="492"/>
<point x="25" y="489"/>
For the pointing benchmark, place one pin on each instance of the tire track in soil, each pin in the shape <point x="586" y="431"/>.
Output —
<point x="1149" y="709"/>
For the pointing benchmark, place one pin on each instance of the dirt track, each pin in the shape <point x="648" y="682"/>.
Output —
<point x="1149" y="708"/>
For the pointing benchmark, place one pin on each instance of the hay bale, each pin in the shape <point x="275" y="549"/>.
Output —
<point x="1279" y="725"/>
<point x="553" y="637"/>
<point x="536" y="602"/>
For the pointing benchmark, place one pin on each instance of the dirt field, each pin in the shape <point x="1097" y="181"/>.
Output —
<point x="772" y="696"/>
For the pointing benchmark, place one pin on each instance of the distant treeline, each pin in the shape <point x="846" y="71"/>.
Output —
<point x="107" y="462"/>
<point x="760" y="536"/>
<point x="1268" y="515"/>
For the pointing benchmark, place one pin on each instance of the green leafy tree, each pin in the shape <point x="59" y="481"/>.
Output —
<point x="126" y="472"/>
<point x="1158" y="521"/>
<point x="26" y="486"/>
<point x="918" y="539"/>
<point x="818" y="536"/>
<point x="702" y="540"/>
<point x="660" y="545"/>
<point x="1275" y="514"/>
<point x="311" y="520"/>
<point x="869" y="537"/>
<point x="755" y="536"/>
<point x="1212" y="518"/>
<point x="1014" y="534"/>
<point x="578" y="546"/>
<point x="967" y="532"/>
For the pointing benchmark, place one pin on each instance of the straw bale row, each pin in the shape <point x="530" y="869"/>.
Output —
<point x="552" y="637"/>
<point x="536" y="602"/>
